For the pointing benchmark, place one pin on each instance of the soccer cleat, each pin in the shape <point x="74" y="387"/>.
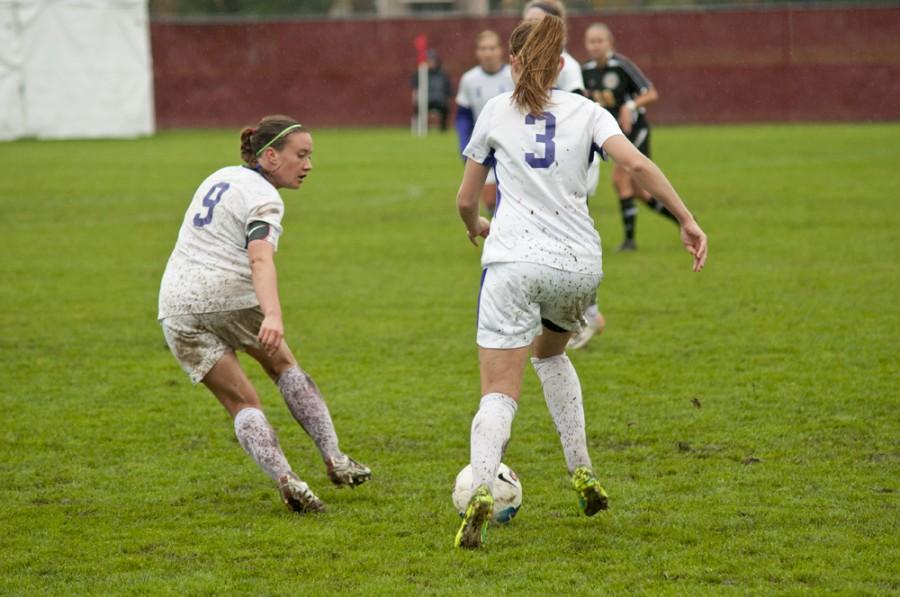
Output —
<point x="629" y="244"/>
<point x="591" y="497"/>
<point x="581" y="339"/>
<point x="297" y="495"/>
<point x="346" y="471"/>
<point x="473" y="530"/>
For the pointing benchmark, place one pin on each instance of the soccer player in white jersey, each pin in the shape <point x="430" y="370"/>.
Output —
<point x="477" y="85"/>
<point x="541" y="260"/>
<point x="219" y="294"/>
<point x="570" y="77"/>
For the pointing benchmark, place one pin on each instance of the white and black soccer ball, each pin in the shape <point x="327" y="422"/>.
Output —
<point x="507" y="492"/>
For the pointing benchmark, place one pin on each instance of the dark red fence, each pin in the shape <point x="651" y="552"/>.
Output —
<point x="720" y="66"/>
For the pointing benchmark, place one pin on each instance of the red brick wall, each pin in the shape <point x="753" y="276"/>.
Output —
<point x="718" y="66"/>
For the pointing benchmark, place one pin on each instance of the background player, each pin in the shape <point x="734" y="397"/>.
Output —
<point x="219" y="294"/>
<point x="570" y="78"/>
<point x="617" y="84"/>
<point x="477" y="85"/>
<point x="542" y="260"/>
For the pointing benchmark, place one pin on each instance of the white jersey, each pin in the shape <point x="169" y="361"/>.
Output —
<point x="570" y="77"/>
<point x="541" y="163"/>
<point x="477" y="86"/>
<point x="209" y="269"/>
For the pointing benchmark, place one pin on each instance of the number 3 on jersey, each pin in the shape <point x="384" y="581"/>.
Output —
<point x="546" y="138"/>
<point x="211" y="201"/>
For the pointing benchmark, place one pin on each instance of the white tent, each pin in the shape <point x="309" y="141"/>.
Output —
<point x="75" y="69"/>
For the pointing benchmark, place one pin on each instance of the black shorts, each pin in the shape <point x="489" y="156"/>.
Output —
<point x="640" y="135"/>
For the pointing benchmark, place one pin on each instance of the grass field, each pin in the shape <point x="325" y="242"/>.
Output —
<point x="744" y="419"/>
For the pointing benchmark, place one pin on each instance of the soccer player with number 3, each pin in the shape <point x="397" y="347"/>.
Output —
<point x="219" y="294"/>
<point x="541" y="260"/>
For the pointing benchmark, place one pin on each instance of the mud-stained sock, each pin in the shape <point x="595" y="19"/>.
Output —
<point x="305" y="402"/>
<point x="490" y="433"/>
<point x="562" y="393"/>
<point x="258" y="439"/>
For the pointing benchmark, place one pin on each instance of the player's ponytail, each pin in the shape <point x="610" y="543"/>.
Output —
<point x="271" y="131"/>
<point x="537" y="46"/>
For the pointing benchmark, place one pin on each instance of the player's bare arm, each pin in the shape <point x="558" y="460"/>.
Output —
<point x="467" y="200"/>
<point x="650" y="177"/>
<point x="261" y="254"/>
<point x="647" y="97"/>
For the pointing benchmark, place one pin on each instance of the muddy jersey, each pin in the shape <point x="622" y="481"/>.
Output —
<point x="541" y="163"/>
<point x="209" y="269"/>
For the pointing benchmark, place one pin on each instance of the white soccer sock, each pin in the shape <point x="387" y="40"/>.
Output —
<point x="490" y="434"/>
<point x="258" y="439"/>
<point x="562" y="393"/>
<point x="309" y="409"/>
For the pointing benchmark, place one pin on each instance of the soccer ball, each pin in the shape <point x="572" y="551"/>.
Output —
<point x="507" y="492"/>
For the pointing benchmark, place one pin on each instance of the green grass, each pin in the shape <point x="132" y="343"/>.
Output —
<point x="119" y="477"/>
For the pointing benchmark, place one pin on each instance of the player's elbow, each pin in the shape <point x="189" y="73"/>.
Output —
<point x="465" y="202"/>
<point x="636" y="164"/>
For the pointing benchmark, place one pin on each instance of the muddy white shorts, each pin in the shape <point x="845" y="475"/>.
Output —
<point x="518" y="298"/>
<point x="199" y="340"/>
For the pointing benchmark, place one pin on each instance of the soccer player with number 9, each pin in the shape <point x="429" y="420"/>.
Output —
<point x="541" y="260"/>
<point x="219" y="294"/>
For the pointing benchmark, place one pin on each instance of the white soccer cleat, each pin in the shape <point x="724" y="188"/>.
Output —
<point x="346" y="471"/>
<point x="595" y="325"/>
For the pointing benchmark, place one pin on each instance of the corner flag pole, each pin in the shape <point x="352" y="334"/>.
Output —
<point x="421" y="121"/>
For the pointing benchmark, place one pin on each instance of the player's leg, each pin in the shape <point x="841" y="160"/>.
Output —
<point x="229" y="384"/>
<point x="304" y="400"/>
<point x="503" y="344"/>
<point x="489" y="198"/>
<point x="593" y="177"/>
<point x="624" y="188"/>
<point x="508" y="321"/>
<point x="641" y="140"/>
<point x="501" y="383"/>
<point x="489" y="193"/>
<point x="562" y="388"/>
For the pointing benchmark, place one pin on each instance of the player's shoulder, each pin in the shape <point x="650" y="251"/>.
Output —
<point x="621" y="61"/>
<point x="589" y="65"/>
<point x="470" y="74"/>
<point x="561" y="97"/>
<point x="498" y="102"/>
<point x="248" y="182"/>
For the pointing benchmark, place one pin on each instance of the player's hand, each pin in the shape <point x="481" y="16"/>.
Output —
<point x="694" y="240"/>
<point x="625" y="119"/>
<point x="484" y="228"/>
<point x="271" y="333"/>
